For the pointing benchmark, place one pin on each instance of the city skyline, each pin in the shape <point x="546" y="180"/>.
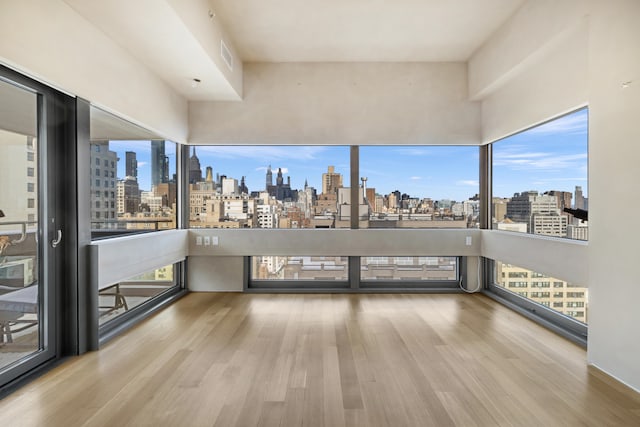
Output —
<point x="552" y="156"/>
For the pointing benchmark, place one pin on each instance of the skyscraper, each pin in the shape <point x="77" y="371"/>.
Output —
<point x="104" y="164"/>
<point x="159" y="164"/>
<point x="269" y="180"/>
<point x="579" y="198"/>
<point x="131" y="164"/>
<point x="195" y="171"/>
<point x="279" y="178"/>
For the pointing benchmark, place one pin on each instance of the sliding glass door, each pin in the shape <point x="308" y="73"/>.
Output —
<point x="29" y="230"/>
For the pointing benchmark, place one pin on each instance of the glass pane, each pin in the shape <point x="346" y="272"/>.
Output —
<point x="301" y="268"/>
<point x="133" y="187"/>
<point x="568" y="298"/>
<point x="540" y="179"/>
<point x="408" y="268"/>
<point x="268" y="187"/>
<point x="121" y="297"/>
<point x="19" y="201"/>
<point x="419" y="187"/>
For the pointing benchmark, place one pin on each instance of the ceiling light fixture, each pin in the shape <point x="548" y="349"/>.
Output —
<point x="195" y="82"/>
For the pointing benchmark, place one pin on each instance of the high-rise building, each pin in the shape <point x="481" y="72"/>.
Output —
<point x="243" y="186"/>
<point x="267" y="216"/>
<point x="530" y="207"/>
<point x="131" y="164"/>
<point x="128" y="193"/>
<point x="195" y="171"/>
<point x="159" y="163"/>
<point x="269" y="178"/>
<point x="580" y="202"/>
<point x="549" y="224"/>
<point x="229" y="186"/>
<point x="563" y="198"/>
<point x="19" y="160"/>
<point x="104" y="164"/>
<point x="499" y="206"/>
<point x="557" y="294"/>
<point x="331" y="181"/>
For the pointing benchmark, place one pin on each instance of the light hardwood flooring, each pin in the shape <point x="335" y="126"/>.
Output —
<point x="332" y="360"/>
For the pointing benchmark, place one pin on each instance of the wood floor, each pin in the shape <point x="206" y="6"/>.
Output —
<point x="332" y="360"/>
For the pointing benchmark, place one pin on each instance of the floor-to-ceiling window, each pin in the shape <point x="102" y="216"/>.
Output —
<point x="36" y="228"/>
<point x="133" y="185"/>
<point x="540" y="187"/>
<point x="312" y="187"/>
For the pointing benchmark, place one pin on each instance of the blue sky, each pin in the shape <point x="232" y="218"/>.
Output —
<point x="552" y="156"/>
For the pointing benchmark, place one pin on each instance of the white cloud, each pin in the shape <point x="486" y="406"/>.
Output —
<point x="415" y="178"/>
<point x="468" y="183"/>
<point x="540" y="160"/>
<point x="413" y="151"/>
<point x="571" y="124"/>
<point x="142" y="164"/>
<point x="269" y="153"/>
<point x="273" y="169"/>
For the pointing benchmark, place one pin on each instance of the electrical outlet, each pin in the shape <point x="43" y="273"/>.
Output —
<point x="207" y="240"/>
<point x="214" y="240"/>
<point x="199" y="241"/>
<point x="468" y="240"/>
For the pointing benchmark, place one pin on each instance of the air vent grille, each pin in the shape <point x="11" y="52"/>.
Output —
<point x="226" y="55"/>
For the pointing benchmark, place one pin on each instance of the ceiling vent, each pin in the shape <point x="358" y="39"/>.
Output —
<point x="226" y="55"/>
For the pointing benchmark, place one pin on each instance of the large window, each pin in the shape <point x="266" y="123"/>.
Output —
<point x="540" y="179"/>
<point x="268" y="187"/>
<point x="403" y="269"/>
<point x="300" y="268"/>
<point x="379" y="272"/>
<point x="419" y="187"/>
<point x="564" y="297"/>
<point x="20" y="328"/>
<point x="133" y="186"/>
<point x="119" y="298"/>
<point x="308" y="187"/>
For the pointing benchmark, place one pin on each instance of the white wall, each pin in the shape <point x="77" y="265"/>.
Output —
<point x="48" y="40"/>
<point x="564" y="61"/>
<point x="422" y="242"/>
<point x="561" y="258"/>
<point x="533" y="30"/>
<point x="614" y="175"/>
<point x="553" y="83"/>
<point x="121" y="258"/>
<point x="215" y="274"/>
<point x="343" y="103"/>
<point x="538" y="62"/>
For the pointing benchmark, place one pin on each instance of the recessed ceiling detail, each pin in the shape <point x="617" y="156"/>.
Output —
<point x="361" y="30"/>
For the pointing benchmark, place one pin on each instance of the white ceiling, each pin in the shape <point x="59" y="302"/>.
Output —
<point x="361" y="30"/>
<point x="292" y="31"/>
